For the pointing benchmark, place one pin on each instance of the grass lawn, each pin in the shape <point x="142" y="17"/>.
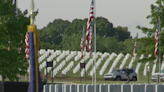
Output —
<point x="76" y="80"/>
<point x="142" y="79"/>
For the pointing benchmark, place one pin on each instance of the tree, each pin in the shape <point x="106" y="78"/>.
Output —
<point x="52" y="35"/>
<point x="12" y="29"/>
<point x="104" y="28"/>
<point x="122" y="33"/>
<point x="71" y="42"/>
<point x="149" y="42"/>
<point x="62" y="34"/>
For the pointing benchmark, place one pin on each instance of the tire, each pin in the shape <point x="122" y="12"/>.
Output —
<point x="118" y="78"/>
<point x="134" y="79"/>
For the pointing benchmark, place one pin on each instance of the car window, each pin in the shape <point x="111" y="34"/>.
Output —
<point x="162" y="71"/>
<point x="115" y="71"/>
<point x="123" y="70"/>
<point x="107" y="75"/>
<point x="130" y="71"/>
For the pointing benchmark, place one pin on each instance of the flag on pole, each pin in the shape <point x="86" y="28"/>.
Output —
<point x="90" y="41"/>
<point x="9" y="48"/>
<point x="15" y="2"/>
<point x="89" y="25"/>
<point x="81" y="44"/>
<point x="135" y="44"/>
<point x="35" y="84"/>
<point x="27" y="45"/>
<point x="156" y="39"/>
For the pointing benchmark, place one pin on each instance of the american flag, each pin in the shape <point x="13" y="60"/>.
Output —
<point x="90" y="41"/>
<point x="81" y="44"/>
<point x="135" y="44"/>
<point x="9" y="48"/>
<point x="15" y="2"/>
<point x="156" y="39"/>
<point x="89" y="25"/>
<point x="27" y="45"/>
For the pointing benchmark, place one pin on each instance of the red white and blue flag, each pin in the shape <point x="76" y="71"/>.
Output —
<point x="156" y="39"/>
<point x="27" y="45"/>
<point x="135" y="44"/>
<point x="90" y="41"/>
<point x="89" y="29"/>
<point x="81" y="44"/>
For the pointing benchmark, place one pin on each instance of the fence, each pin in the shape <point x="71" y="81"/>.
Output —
<point x="105" y="88"/>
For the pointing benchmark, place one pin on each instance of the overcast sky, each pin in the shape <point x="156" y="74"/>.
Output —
<point x="128" y="13"/>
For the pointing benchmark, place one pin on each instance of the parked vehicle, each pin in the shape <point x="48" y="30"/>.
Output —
<point x="120" y="74"/>
<point x="154" y="76"/>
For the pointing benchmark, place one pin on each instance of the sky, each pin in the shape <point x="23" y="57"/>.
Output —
<point x="126" y="13"/>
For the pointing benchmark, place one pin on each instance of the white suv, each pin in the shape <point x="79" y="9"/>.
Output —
<point x="154" y="76"/>
<point x="119" y="74"/>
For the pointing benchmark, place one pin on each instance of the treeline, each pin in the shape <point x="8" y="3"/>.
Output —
<point x="65" y="35"/>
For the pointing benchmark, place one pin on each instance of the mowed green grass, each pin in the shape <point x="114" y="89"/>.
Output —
<point x="75" y="77"/>
<point x="143" y="79"/>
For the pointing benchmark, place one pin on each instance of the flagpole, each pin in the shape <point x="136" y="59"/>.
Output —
<point x="91" y="56"/>
<point x="31" y="23"/>
<point x="159" y="47"/>
<point x="32" y="28"/>
<point x="92" y="68"/>
<point x="92" y="59"/>
<point x="36" y="46"/>
<point x="83" y="59"/>
<point x="31" y="13"/>
<point x="95" y="41"/>
<point x="17" y="8"/>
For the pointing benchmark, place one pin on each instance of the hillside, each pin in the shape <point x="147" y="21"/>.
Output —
<point x="67" y="63"/>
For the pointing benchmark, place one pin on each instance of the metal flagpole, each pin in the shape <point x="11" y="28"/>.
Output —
<point x="83" y="59"/>
<point x="17" y="8"/>
<point x="93" y="74"/>
<point x="92" y="57"/>
<point x="31" y="13"/>
<point x="95" y="40"/>
<point x="159" y="46"/>
<point x="31" y="23"/>
<point x="159" y="42"/>
<point x="91" y="52"/>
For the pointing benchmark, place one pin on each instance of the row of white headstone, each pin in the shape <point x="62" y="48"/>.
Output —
<point x="107" y="63"/>
<point x="88" y="65"/>
<point x="70" y="65"/>
<point x="115" y="62"/>
<point x="86" y="57"/>
<point x="77" y="54"/>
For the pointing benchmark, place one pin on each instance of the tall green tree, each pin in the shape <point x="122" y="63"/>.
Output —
<point x="122" y="33"/>
<point x="12" y="29"/>
<point x="62" y="34"/>
<point x="52" y="35"/>
<point x="157" y="11"/>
